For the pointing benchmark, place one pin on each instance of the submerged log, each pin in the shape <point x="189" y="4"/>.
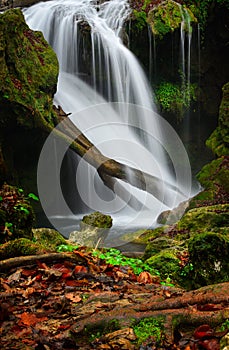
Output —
<point x="109" y="169"/>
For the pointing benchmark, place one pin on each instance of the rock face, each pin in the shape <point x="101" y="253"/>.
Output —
<point x="28" y="79"/>
<point x="219" y="140"/>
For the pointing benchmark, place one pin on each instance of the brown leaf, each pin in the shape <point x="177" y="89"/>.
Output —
<point x="145" y="278"/>
<point x="73" y="297"/>
<point x="210" y="344"/>
<point x="30" y="319"/>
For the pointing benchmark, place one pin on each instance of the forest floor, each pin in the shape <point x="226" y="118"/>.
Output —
<point x="77" y="301"/>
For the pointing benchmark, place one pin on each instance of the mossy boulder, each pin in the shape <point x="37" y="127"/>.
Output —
<point x="214" y="177"/>
<point x="166" y="262"/>
<point x="204" y="218"/>
<point x="48" y="238"/>
<point x="28" y="74"/>
<point x="161" y="243"/>
<point x="97" y="219"/>
<point x="168" y="16"/>
<point x="208" y="253"/>
<point x="219" y="140"/>
<point x="19" y="247"/>
<point x="16" y="214"/>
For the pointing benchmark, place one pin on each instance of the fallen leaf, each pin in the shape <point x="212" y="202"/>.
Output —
<point x="203" y="331"/>
<point x="210" y="344"/>
<point x="80" y="269"/>
<point x="145" y="277"/>
<point x="73" y="297"/>
<point x="30" y="319"/>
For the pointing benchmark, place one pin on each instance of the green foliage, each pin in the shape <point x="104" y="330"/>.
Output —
<point x="115" y="257"/>
<point x="174" y="98"/>
<point x="140" y="18"/>
<point x="225" y="325"/>
<point x="33" y="196"/>
<point x="149" y="328"/>
<point x="16" y="214"/>
<point x="168" y="16"/>
<point x="66" y="248"/>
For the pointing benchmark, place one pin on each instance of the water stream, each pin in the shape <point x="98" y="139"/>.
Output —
<point x="104" y="87"/>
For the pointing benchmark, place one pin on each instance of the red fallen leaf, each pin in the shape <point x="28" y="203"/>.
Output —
<point x="203" y="331"/>
<point x="61" y="268"/>
<point x="63" y="326"/>
<point x="210" y="344"/>
<point x="66" y="275"/>
<point x="30" y="319"/>
<point x="28" y="273"/>
<point x="39" y="277"/>
<point x="145" y="277"/>
<point x="80" y="269"/>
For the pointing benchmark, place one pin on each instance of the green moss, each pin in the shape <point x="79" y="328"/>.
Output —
<point x="166" y="262"/>
<point x="48" y="238"/>
<point x="19" y="247"/>
<point x="219" y="140"/>
<point x="168" y="16"/>
<point x="98" y="219"/>
<point x="28" y="72"/>
<point x="200" y="219"/>
<point x="214" y="177"/>
<point x="174" y="98"/>
<point x="209" y="253"/>
<point x="151" y="329"/>
<point x="159" y="244"/>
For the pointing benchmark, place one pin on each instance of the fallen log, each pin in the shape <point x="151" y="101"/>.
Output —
<point x="109" y="169"/>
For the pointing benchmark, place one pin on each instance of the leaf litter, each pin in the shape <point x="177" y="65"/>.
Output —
<point x="50" y="306"/>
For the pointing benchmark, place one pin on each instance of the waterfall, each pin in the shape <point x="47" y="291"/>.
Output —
<point x="104" y="87"/>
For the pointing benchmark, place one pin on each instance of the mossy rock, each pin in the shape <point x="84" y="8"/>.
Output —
<point x="209" y="253"/>
<point x="19" y="247"/>
<point x="204" y="218"/>
<point x="168" y="16"/>
<point x="166" y="262"/>
<point x="159" y="244"/>
<point x="28" y="74"/>
<point x="16" y="214"/>
<point x="48" y="238"/>
<point x="97" y="219"/>
<point x="219" y="140"/>
<point x="214" y="177"/>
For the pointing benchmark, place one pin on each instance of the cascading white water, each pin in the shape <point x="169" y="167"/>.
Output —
<point x="114" y="75"/>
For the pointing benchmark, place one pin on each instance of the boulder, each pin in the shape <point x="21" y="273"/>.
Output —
<point x="94" y="229"/>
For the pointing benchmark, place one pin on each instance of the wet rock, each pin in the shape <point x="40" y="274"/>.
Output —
<point x="94" y="229"/>
<point x="48" y="238"/>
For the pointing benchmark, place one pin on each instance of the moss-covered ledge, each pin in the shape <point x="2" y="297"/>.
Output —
<point x="168" y="16"/>
<point x="28" y="74"/>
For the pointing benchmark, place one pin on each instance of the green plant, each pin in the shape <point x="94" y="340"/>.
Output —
<point x="174" y="98"/>
<point x="224" y="325"/>
<point x="149" y="329"/>
<point x="66" y="248"/>
<point x="140" y="17"/>
<point x="115" y="257"/>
